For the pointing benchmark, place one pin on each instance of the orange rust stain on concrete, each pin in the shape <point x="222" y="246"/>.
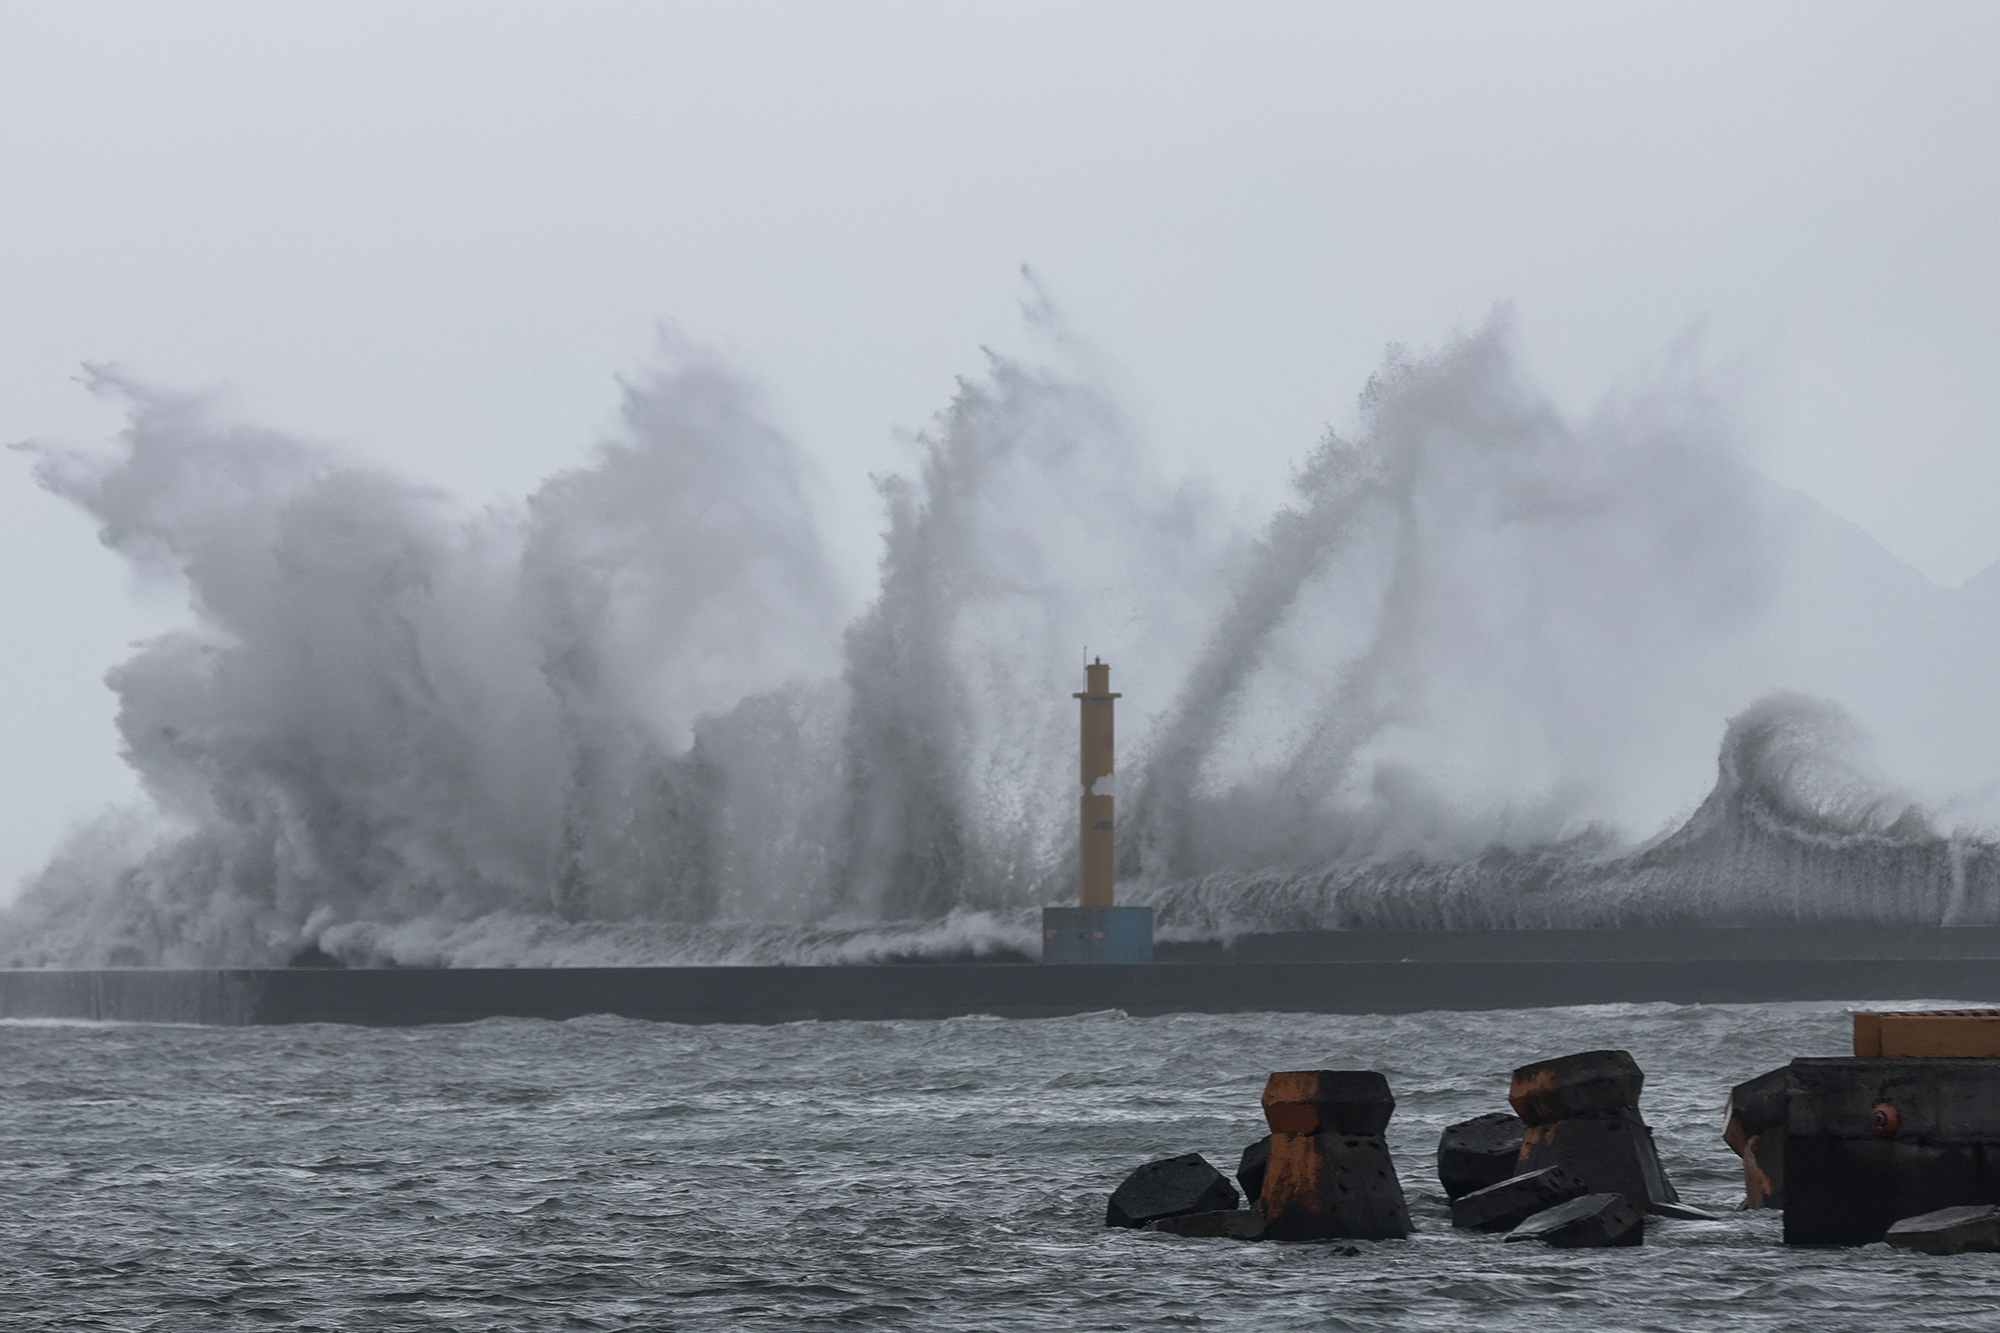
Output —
<point x="1289" y="1180"/>
<point x="1291" y="1103"/>
<point x="1733" y="1135"/>
<point x="1759" y="1163"/>
<point x="1534" y="1136"/>
<point x="1533" y="1097"/>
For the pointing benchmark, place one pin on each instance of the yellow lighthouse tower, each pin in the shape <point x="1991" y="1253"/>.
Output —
<point x="1099" y="755"/>
<point x="1097" y="931"/>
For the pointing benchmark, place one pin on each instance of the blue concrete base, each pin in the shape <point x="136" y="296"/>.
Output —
<point x="1097" y="934"/>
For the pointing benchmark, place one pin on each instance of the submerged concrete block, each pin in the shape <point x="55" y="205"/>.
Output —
<point x="1754" y="1128"/>
<point x="1478" y="1152"/>
<point x="1168" y="1188"/>
<point x="1969" y="1230"/>
<point x="1250" y="1168"/>
<point x="1338" y="1101"/>
<point x="1332" y="1187"/>
<point x="1227" y="1224"/>
<point x="1591" y="1222"/>
<point x="1609" y="1152"/>
<point x="1504" y="1206"/>
<point x="1588" y="1083"/>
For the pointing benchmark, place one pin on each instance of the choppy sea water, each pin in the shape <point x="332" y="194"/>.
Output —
<point x="606" y="1174"/>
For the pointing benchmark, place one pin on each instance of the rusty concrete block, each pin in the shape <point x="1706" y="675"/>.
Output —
<point x="1764" y="1169"/>
<point x="1339" y="1101"/>
<point x="1591" y="1222"/>
<point x="1332" y="1186"/>
<point x="1167" y="1188"/>
<point x="1754" y="1128"/>
<point x="1611" y="1152"/>
<point x="1758" y="1104"/>
<point x="1588" y="1083"/>
<point x="1478" y="1152"/>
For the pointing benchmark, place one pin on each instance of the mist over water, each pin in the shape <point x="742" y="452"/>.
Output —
<point x="1473" y="673"/>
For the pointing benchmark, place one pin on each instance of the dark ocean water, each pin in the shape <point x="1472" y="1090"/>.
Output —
<point x="605" y="1174"/>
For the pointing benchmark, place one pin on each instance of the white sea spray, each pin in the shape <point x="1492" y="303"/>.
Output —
<point x="1470" y="675"/>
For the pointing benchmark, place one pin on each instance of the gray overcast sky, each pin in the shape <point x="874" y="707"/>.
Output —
<point x="433" y="233"/>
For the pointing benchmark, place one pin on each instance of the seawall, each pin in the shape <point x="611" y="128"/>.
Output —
<point x="1442" y="970"/>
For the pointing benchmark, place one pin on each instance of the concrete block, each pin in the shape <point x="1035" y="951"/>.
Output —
<point x="1167" y="1188"/>
<point x="1097" y="934"/>
<point x="1754" y="1128"/>
<point x="1571" y="1085"/>
<point x="1609" y="1152"/>
<point x="1764" y="1169"/>
<point x="1250" y="1168"/>
<point x="1337" y="1101"/>
<point x="1228" y="1224"/>
<point x="1872" y="1140"/>
<point x="1504" y="1206"/>
<point x="1332" y="1186"/>
<point x="1478" y="1152"/>
<point x="1969" y="1230"/>
<point x="1594" y="1221"/>
<point x="1936" y="1101"/>
<point x="1761" y="1103"/>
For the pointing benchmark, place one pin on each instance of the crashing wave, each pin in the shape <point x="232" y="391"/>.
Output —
<point x="630" y="719"/>
<point x="1791" y="832"/>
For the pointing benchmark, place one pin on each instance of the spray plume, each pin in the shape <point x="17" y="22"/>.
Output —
<point x="624" y="722"/>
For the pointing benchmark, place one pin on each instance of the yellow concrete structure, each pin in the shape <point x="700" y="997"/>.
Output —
<point x="1929" y="1033"/>
<point x="1097" y="751"/>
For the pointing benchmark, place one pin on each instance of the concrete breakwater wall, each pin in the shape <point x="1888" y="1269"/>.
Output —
<point x="404" y="997"/>
<point x="1818" y="940"/>
<point x="223" y="997"/>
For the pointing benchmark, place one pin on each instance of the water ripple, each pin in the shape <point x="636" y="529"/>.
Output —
<point x="613" y="1175"/>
